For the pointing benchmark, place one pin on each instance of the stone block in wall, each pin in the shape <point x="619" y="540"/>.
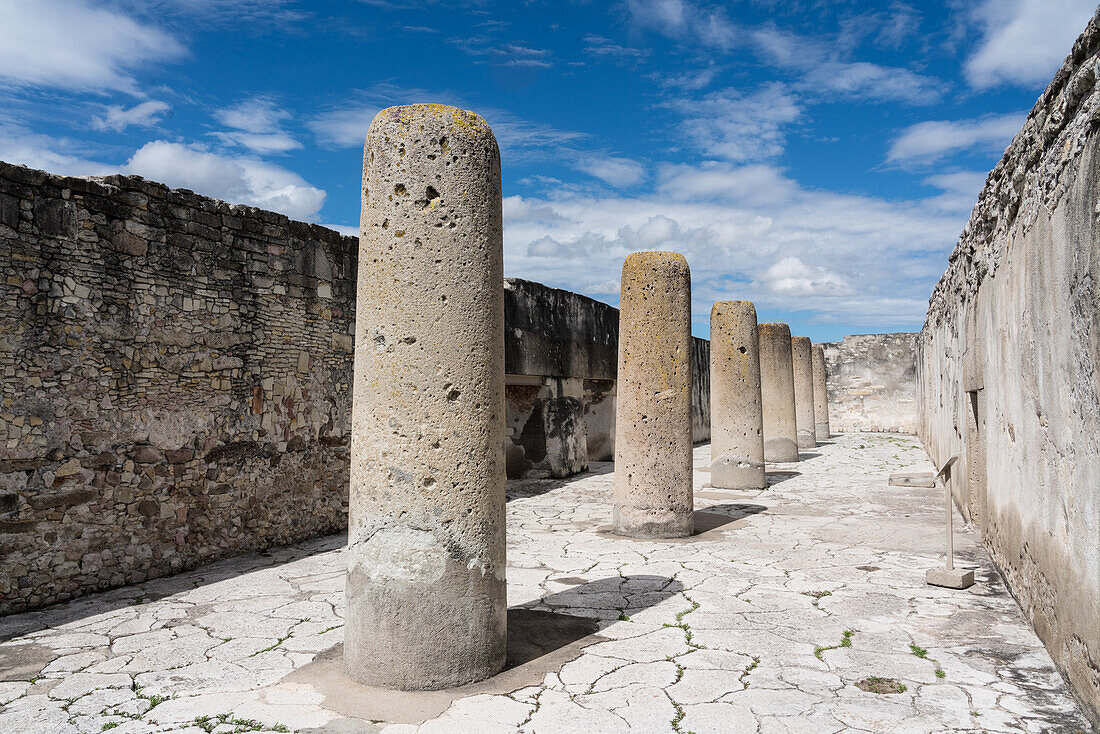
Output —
<point x="545" y="427"/>
<point x="599" y="419"/>
<point x="871" y="380"/>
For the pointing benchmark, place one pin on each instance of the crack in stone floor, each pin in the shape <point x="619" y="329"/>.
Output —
<point x="764" y="622"/>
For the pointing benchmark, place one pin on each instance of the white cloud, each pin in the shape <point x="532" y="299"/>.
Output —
<point x="792" y="277"/>
<point x="1024" y="41"/>
<point x="960" y="190"/>
<point x="346" y="126"/>
<point x="665" y="16"/>
<point x="755" y="184"/>
<point x="56" y="155"/>
<point x="862" y="80"/>
<point x="600" y="46"/>
<point x="819" y="60"/>
<point x="79" y="45"/>
<point x="119" y="118"/>
<point x="503" y="54"/>
<point x="736" y="126"/>
<point x="238" y="180"/>
<point x="615" y="171"/>
<point x="748" y="232"/>
<point x="929" y="141"/>
<point x="257" y="125"/>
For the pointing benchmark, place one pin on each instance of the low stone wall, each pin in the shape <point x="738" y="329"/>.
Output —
<point x="561" y="360"/>
<point x="1009" y="364"/>
<point x="176" y="382"/>
<point x="871" y="381"/>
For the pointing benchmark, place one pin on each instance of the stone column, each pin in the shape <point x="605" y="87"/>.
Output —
<point x="653" y="469"/>
<point x="426" y="606"/>
<point x="736" y="415"/>
<point x="777" y="393"/>
<point x="802" y="363"/>
<point x="821" y="395"/>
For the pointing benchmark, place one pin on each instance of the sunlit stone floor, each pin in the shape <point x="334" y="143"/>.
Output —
<point x="764" y="622"/>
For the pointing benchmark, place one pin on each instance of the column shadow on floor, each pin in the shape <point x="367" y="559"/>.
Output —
<point x="539" y="642"/>
<point x="715" y="517"/>
<point x="775" y="477"/>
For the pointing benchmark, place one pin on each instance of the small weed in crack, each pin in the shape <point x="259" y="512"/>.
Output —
<point x="845" y="641"/>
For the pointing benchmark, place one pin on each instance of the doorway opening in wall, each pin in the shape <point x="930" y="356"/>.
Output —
<point x="975" y="457"/>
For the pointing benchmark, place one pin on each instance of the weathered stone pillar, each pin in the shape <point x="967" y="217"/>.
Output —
<point x="802" y="363"/>
<point x="736" y="414"/>
<point x="426" y="605"/>
<point x="653" y="486"/>
<point x="777" y="393"/>
<point x="821" y="395"/>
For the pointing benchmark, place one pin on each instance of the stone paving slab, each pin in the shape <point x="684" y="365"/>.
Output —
<point x="774" y="618"/>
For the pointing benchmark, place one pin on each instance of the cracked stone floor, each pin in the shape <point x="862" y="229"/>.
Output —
<point x="763" y="622"/>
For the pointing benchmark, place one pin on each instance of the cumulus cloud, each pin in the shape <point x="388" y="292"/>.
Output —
<point x="748" y="232"/>
<point x="118" y="118"/>
<point x="257" y="125"/>
<point x="792" y="277"/>
<point x="1024" y="41"/>
<point x="929" y="141"/>
<point x="78" y="45"/>
<point x="240" y="180"/>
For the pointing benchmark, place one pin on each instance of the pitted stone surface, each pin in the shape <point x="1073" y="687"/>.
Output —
<point x="740" y="629"/>
<point x="425" y="587"/>
<point x="653" y="424"/>
<point x="736" y="414"/>
<point x="777" y="393"/>
<point x="821" y="395"/>
<point x="802" y="364"/>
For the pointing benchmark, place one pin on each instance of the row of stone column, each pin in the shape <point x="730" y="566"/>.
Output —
<point x="768" y="395"/>
<point x="425" y="593"/>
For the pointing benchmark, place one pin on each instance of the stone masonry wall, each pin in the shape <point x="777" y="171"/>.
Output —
<point x="1009" y="361"/>
<point x="175" y="382"/>
<point x="871" y="380"/>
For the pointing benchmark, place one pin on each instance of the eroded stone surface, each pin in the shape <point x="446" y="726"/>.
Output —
<point x="425" y="587"/>
<point x="737" y="421"/>
<point x="741" y="629"/>
<point x="777" y="391"/>
<point x="653" y="420"/>
<point x="802" y="363"/>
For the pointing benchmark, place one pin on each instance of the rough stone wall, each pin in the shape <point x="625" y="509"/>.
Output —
<point x="1008" y="367"/>
<point x="561" y="357"/>
<point x="871" y="381"/>
<point x="175" y="382"/>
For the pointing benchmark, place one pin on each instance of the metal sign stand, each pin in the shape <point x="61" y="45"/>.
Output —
<point x="949" y="577"/>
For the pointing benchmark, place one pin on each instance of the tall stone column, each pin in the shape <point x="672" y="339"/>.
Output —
<point x="777" y="393"/>
<point x="802" y="363"/>
<point x="653" y="469"/>
<point x="736" y="414"/>
<point x="426" y="606"/>
<point x="821" y="395"/>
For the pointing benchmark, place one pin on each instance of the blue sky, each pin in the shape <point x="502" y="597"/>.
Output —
<point x="819" y="158"/>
